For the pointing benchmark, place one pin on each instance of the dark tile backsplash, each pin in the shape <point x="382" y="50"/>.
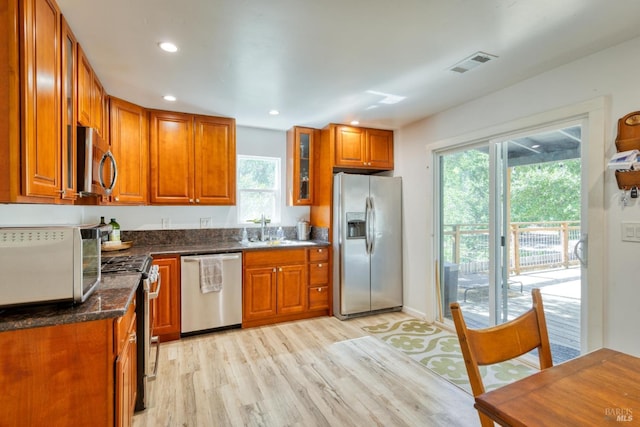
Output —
<point x="207" y="235"/>
<point x="320" y="233"/>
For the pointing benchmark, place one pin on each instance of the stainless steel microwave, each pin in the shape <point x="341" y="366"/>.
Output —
<point x="45" y="264"/>
<point x="95" y="165"/>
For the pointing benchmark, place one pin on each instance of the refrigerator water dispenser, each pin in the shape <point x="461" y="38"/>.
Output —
<point x="356" y="225"/>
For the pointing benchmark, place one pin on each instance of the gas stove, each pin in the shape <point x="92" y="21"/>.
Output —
<point x="149" y="289"/>
<point x="127" y="264"/>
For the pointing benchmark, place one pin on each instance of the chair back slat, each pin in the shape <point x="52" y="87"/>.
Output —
<point x="505" y="342"/>
<point x="502" y="342"/>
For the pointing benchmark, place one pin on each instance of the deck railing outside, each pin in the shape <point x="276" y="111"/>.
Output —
<point x="532" y="246"/>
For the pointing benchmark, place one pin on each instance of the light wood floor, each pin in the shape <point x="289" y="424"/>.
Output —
<point x="317" y="372"/>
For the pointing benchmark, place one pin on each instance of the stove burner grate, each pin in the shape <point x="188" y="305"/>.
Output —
<point x="126" y="264"/>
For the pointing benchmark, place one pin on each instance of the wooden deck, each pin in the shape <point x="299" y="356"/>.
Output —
<point x="561" y="297"/>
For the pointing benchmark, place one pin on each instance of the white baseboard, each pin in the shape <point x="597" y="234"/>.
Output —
<point x="415" y="313"/>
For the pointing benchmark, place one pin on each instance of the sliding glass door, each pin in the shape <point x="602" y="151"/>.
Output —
<point x="464" y="234"/>
<point x="510" y="221"/>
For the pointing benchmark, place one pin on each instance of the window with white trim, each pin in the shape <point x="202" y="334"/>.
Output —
<point x="258" y="188"/>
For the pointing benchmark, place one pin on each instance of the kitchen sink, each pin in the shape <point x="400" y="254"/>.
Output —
<point x="277" y="243"/>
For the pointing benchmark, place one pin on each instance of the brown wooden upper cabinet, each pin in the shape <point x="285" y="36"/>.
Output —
<point x="193" y="159"/>
<point x="69" y="49"/>
<point x="350" y="149"/>
<point x="300" y="166"/>
<point x="44" y="78"/>
<point x="129" y="132"/>
<point x="91" y="97"/>
<point x="40" y="94"/>
<point x="363" y="148"/>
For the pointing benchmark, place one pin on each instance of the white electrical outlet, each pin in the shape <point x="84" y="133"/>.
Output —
<point x="205" y="222"/>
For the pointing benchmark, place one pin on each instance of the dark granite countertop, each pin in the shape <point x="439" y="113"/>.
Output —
<point x="115" y="291"/>
<point x="207" y="248"/>
<point x="111" y="299"/>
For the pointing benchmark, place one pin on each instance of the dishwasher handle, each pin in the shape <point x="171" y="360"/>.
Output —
<point x="222" y="257"/>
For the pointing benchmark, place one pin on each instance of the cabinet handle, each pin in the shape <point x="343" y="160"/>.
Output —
<point x="319" y="251"/>
<point x="319" y="265"/>
<point x="274" y="269"/>
<point x="133" y="337"/>
<point x="319" y="289"/>
<point x="280" y="269"/>
<point x="117" y="199"/>
<point x="197" y="200"/>
<point x="190" y="200"/>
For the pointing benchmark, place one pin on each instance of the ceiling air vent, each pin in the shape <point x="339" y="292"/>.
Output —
<point x="472" y="61"/>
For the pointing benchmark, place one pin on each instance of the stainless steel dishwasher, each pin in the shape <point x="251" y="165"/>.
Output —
<point x="209" y="311"/>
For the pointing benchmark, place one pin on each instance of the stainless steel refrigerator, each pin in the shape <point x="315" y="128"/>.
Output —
<point x="367" y="244"/>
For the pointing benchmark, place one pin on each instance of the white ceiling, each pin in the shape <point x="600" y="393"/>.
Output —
<point x="318" y="61"/>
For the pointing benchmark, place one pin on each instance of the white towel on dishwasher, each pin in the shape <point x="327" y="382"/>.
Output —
<point x="210" y="274"/>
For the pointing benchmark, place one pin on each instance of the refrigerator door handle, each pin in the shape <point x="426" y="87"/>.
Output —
<point x="369" y="233"/>
<point x="366" y="225"/>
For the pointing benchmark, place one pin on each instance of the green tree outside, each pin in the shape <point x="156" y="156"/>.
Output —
<point x="539" y="192"/>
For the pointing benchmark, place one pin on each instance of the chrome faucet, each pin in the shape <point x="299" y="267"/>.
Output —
<point x="263" y="223"/>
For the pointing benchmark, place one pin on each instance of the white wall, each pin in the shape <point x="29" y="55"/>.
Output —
<point x="39" y="214"/>
<point x="610" y="73"/>
<point x="250" y="141"/>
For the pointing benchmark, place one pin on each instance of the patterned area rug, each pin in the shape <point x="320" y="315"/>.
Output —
<point x="439" y="350"/>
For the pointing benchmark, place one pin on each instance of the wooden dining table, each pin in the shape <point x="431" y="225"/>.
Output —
<point x="600" y="388"/>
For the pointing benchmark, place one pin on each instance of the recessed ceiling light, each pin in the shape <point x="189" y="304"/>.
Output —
<point x="355" y="122"/>
<point x="169" y="98"/>
<point x="168" y="47"/>
<point x="535" y="146"/>
<point x="274" y="112"/>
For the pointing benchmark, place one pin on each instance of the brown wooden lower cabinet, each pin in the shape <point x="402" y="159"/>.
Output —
<point x="166" y="308"/>
<point x="78" y="374"/>
<point x="126" y="367"/>
<point x="277" y="286"/>
<point x="259" y="293"/>
<point x="319" y="279"/>
<point x="318" y="297"/>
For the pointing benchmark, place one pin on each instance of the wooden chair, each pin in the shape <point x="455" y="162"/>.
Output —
<point x="502" y="342"/>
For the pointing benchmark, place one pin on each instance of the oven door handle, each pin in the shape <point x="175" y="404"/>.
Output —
<point x="156" y="293"/>
<point x="155" y="341"/>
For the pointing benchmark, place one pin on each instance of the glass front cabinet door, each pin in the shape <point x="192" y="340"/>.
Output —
<point x="300" y="141"/>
